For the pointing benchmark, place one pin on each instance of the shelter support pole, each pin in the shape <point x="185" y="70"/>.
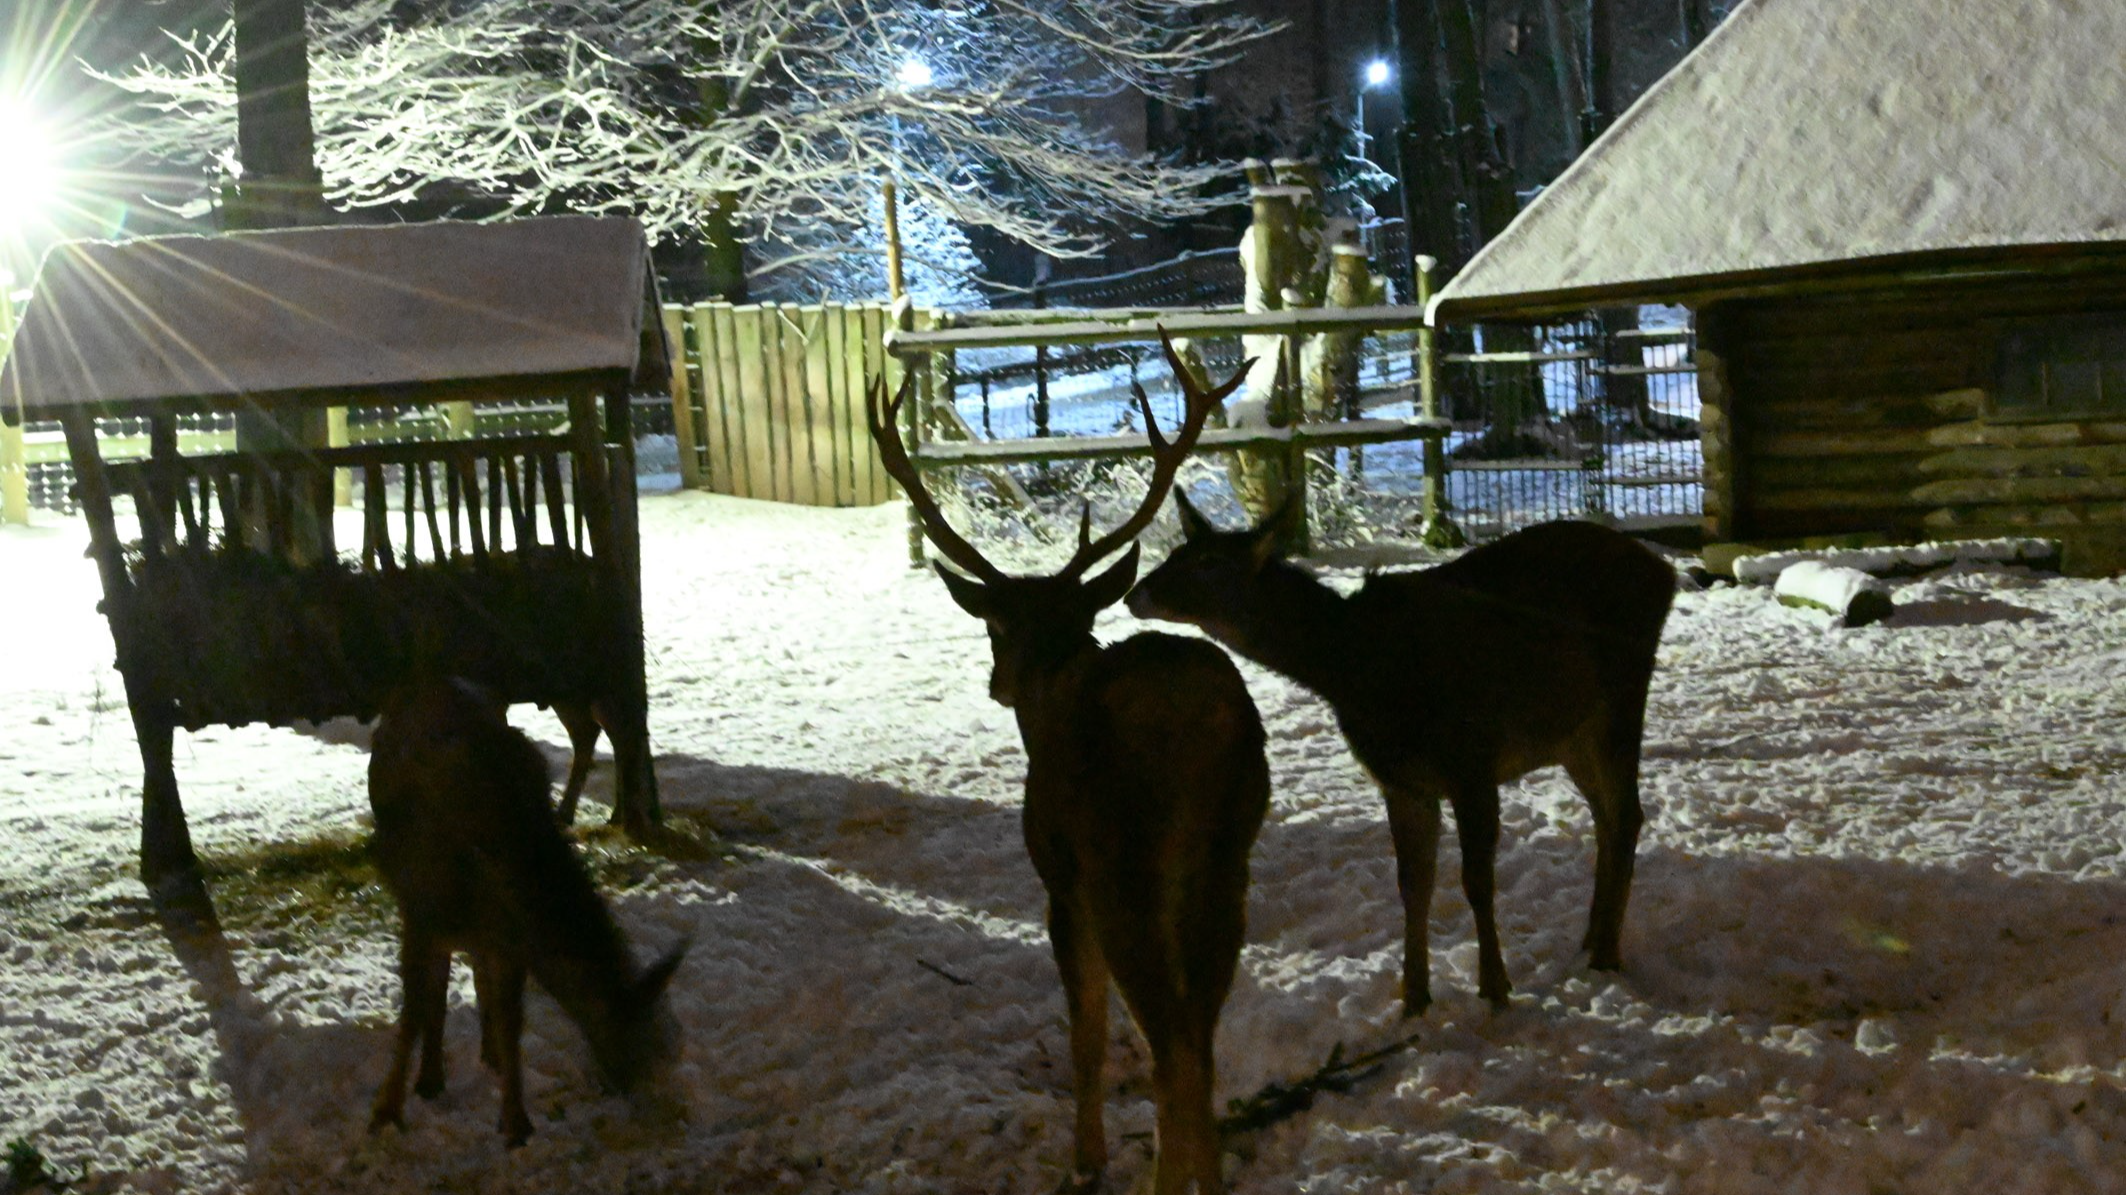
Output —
<point x="14" y="463"/>
<point x="605" y="491"/>
<point x="1438" y="529"/>
<point x="336" y="437"/>
<point x="167" y="864"/>
<point x="1716" y="425"/>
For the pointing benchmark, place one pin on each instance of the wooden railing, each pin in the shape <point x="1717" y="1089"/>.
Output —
<point x="471" y="497"/>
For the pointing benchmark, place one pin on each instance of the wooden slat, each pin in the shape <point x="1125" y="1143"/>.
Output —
<point x="819" y="409"/>
<point x="684" y="426"/>
<point x="876" y="362"/>
<point x="730" y="412"/>
<point x="830" y="392"/>
<point x="752" y="406"/>
<point x="796" y="419"/>
<point x="428" y="507"/>
<point x="556" y="516"/>
<point x="850" y="362"/>
<point x="714" y="427"/>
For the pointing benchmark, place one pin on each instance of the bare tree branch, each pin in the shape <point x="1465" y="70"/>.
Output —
<point x="657" y="108"/>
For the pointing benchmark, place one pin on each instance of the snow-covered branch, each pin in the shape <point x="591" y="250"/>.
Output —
<point x="661" y="108"/>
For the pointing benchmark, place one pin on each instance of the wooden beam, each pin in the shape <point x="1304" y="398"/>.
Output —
<point x="1296" y="321"/>
<point x="1216" y="439"/>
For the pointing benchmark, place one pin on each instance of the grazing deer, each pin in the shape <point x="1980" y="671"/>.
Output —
<point x="466" y="842"/>
<point x="1145" y="785"/>
<point x="1533" y="650"/>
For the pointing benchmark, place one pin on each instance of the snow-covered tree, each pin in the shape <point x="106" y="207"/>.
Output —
<point x="717" y="121"/>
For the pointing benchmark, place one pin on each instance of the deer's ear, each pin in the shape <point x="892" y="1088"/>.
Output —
<point x="969" y="594"/>
<point x="1193" y="525"/>
<point x="1110" y="587"/>
<point x="1268" y="539"/>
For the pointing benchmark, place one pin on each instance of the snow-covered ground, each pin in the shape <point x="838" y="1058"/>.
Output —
<point x="1877" y="941"/>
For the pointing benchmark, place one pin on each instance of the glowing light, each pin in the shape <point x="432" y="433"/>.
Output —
<point x="914" y="73"/>
<point x="1376" y="73"/>
<point x="29" y="164"/>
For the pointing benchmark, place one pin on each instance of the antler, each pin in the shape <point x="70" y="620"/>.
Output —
<point x="1166" y="457"/>
<point x="887" y="433"/>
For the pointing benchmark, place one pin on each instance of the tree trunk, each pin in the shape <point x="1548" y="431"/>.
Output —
<point x="1485" y="172"/>
<point x="279" y="187"/>
<point x="1624" y="393"/>
<point x="1429" y="179"/>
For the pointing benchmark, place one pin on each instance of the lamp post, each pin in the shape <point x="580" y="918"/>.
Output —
<point x="1376" y="74"/>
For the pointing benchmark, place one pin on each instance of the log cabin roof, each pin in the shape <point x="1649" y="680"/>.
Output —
<point x="312" y="315"/>
<point x="1807" y="136"/>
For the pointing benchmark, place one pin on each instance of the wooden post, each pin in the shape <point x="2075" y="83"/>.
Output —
<point x="336" y="437"/>
<point x="1716" y="426"/>
<point x="1438" y="529"/>
<point x="167" y="864"/>
<point x="1286" y="410"/>
<point x="14" y="465"/>
<point x="896" y="286"/>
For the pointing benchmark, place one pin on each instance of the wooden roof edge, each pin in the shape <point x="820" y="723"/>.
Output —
<point x="2051" y="259"/>
<point x="498" y="387"/>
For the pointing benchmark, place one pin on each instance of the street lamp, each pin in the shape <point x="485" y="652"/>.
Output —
<point x="29" y="163"/>
<point x="914" y="74"/>
<point x="1376" y="75"/>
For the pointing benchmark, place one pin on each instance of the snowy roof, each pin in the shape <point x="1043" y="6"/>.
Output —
<point x="313" y="311"/>
<point x="1806" y="132"/>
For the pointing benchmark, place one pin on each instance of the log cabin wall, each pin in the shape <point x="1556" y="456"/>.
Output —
<point x="1882" y="412"/>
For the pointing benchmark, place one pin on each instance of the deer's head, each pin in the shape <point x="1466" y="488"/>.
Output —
<point x="1208" y="577"/>
<point x="632" y="1033"/>
<point x="1037" y="623"/>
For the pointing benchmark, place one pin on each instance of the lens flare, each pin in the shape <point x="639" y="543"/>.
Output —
<point x="29" y="167"/>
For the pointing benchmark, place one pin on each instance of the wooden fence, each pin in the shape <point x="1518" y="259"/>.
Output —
<point x="768" y="399"/>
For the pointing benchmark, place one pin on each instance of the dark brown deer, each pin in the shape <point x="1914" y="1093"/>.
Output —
<point x="1533" y="650"/>
<point x="1145" y="785"/>
<point x="466" y="842"/>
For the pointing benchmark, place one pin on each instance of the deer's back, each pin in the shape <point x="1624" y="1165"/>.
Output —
<point x="1163" y="762"/>
<point x="465" y="838"/>
<point x="1578" y="571"/>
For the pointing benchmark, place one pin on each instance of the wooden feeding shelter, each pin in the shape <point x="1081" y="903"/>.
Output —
<point x="232" y="597"/>
<point x="1902" y="228"/>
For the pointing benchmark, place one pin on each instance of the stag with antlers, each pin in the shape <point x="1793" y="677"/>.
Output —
<point x="1145" y="785"/>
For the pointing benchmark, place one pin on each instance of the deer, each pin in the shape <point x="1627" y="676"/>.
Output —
<point x="1146" y="783"/>
<point x="1532" y="650"/>
<point x="466" y="843"/>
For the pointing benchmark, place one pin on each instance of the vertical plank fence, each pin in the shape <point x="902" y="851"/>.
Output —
<point x="768" y="399"/>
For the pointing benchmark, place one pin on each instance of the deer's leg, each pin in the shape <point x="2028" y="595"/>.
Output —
<point x="1476" y="823"/>
<point x="435" y="1007"/>
<point x="1608" y="776"/>
<point x="1084" y="973"/>
<point x="416" y="960"/>
<point x="501" y="984"/>
<point x="1187" y="1131"/>
<point x="1413" y="818"/>
<point x="582" y="725"/>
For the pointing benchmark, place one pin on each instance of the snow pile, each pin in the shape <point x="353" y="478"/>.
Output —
<point x="1902" y="558"/>
<point x="1874" y="942"/>
<point x="1855" y="597"/>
